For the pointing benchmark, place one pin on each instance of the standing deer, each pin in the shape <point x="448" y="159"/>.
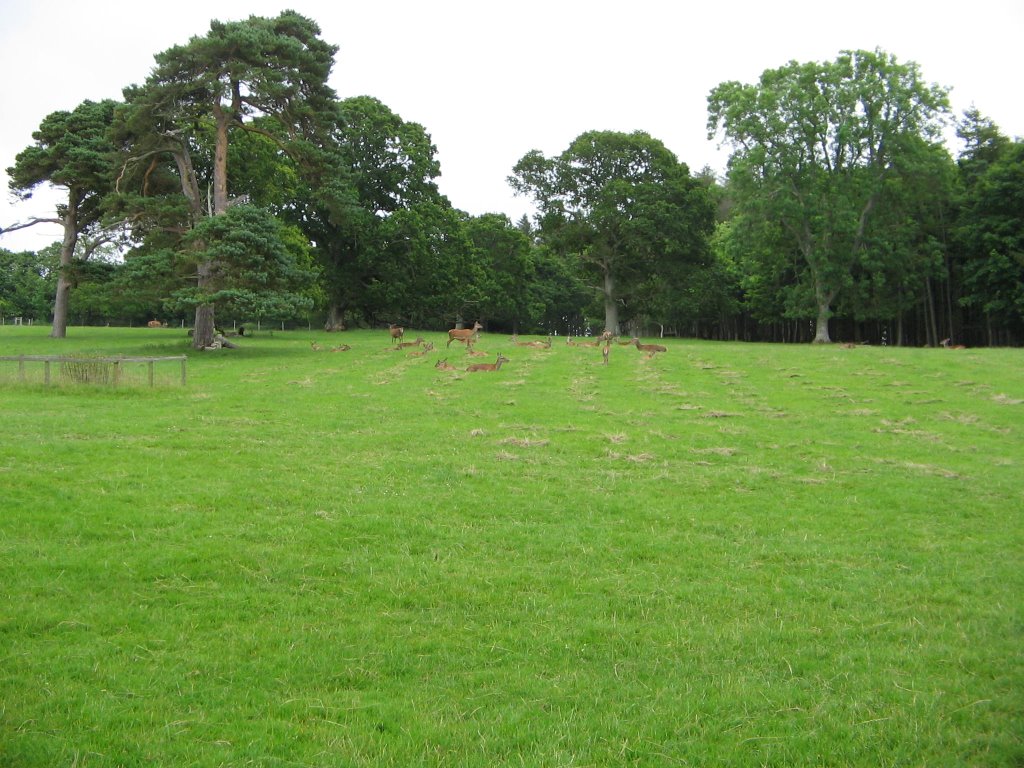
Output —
<point x="607" y="349"/>
<point x="489" y="366"/>
<point x="650" y="349"/>
<point x="463" y="334"/>
<point x="397" y="332"/>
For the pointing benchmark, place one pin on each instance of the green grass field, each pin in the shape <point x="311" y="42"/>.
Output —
<point x="728" y="555"/>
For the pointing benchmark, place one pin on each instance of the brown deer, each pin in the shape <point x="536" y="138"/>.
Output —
<point x="488" y="366"/>
<point x="397" y="332"/>
<point x="463" y="334"/>
<point x="421" y="352"/>
<point x="945" y="343"/>
<point x="650" y="349"/>
<point x="444" y="365"/>
<point x="606" y="351"/>
<point x="407" y="344"/>
<point x="341" y="348"/>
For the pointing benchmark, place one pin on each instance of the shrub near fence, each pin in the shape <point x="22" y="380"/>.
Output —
<point x="99" y="371"/>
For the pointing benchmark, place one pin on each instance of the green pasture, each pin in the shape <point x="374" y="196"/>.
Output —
<point x="727" y="555"/>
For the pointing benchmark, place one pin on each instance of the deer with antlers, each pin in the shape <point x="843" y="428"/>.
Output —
<point x="444" y="365"/>
<point x="488" y="366"/>
<point x="650" y="349"/>
<point x="463" y="334"/>
<point x="428" y="347"/>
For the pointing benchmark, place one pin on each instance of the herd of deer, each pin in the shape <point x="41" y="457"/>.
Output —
<point x="468" y="336"/>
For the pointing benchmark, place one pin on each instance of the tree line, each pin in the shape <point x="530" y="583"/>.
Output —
<point x="234" y="183"/>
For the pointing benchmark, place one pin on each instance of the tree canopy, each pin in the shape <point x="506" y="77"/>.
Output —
<point x="816" y="146"/>
<point x="623" y="204"/>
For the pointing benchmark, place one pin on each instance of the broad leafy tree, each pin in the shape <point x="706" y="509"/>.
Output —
<point x="623" y="205"/>
<point x="72" y="151"/>
<point x="816" y="147"/>
<point x="26" y="283"/>
<point x="381" y="166"/>
<point x="509" y="269"/>
<point x="260" y="75"/>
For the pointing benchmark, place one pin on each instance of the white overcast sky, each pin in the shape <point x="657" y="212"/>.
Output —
<point x="492" y="80"/>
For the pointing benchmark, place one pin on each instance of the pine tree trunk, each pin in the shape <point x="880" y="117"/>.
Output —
<point x="67" y="253"/>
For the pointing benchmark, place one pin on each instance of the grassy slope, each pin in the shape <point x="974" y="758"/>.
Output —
<point x="730" y="554"/>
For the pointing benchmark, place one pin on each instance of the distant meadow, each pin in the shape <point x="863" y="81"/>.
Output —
<point x="302" y="555"/>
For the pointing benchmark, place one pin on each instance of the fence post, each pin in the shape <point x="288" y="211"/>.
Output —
<point x="117" y="372"/>
<point x="46" y="374"/>
<point x="21" y="368"/>
<point x="150" y="373"/>
<point x="184" y="360"/>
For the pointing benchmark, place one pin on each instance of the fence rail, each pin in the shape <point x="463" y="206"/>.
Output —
<point x="94" y="370"/>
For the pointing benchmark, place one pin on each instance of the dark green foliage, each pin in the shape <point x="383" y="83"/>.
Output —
<point x="624" y="205"/>
<point x="991" y="232"/>
<point x="258" y="268"/>
<point x="820" y="151"/>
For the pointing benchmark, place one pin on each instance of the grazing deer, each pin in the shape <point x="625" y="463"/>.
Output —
<point x="463" y="334"/>
<point x="444" y="365"/>
<point x="945" y="343"/>
<point x="488" y="366"/>
<point x="650" y="349"/>
<point x="397" y="332"/>
<point x="407" y="344"/>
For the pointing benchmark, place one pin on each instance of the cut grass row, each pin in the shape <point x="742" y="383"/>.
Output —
<point x="730" y="554"/>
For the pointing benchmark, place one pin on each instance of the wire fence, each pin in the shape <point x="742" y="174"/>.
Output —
<point x="97" y="371"/>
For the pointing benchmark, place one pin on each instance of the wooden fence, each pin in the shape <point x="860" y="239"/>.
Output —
<point x="93" y="370"/>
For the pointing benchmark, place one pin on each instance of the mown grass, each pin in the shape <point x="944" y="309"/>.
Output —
<point x="728" y="555"/>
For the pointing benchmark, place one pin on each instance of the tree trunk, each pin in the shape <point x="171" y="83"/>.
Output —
<point x="203" y="333"/>
<point x="334" y="319"/>
<point x="611" y="307"/>
<point x="821" y="325"/>
<point x="67" y="253"/>
<point x="204" y="328"/>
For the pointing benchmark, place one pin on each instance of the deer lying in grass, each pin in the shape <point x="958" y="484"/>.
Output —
<point x="407" y="344"/>
<point x="538" y="344"/>
<point x="429" y="346"/>
<point x="946" y="345"/>
<point x="488" y="366"/>
<point x="397" y="332"/>
<point x="341" y="348"/>
<point x="650" y="349"/>
<point x="444" y="365"/>
<point x="463" y="334"/>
